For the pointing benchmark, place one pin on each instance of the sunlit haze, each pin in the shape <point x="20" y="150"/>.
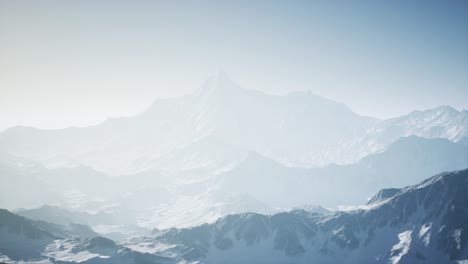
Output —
<point x="234" y="132"/>
<point x="66" y="63"/>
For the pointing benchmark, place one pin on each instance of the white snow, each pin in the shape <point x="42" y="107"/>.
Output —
<point x="62" y="250"/>
<point x="402" y="247"/>
<point x="425" y="234"/>
<point x="457" y="237"/>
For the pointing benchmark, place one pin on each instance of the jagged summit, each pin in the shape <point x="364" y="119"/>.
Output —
<point x="383" y="195"/>
<point x="220" y="82"/>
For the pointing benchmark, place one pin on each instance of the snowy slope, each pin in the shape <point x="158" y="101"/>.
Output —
<point x="26" y="241"/>
<point x="22" y="238"/>
<point x="424" y="223"/>
<point x="441" y="122"/>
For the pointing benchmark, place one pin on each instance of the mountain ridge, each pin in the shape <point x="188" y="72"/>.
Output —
<point x="422" y="223"/>
<point x="298" y="129"/>
<point x="414" y="225"/>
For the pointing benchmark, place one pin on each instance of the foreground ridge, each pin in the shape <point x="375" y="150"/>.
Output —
<point x="424" y="223"/>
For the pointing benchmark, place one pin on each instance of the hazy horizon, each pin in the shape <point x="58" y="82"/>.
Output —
<point x="144" y="108"/>
<point x="74" y="64"/>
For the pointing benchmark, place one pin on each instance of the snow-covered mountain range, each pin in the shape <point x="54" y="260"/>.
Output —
<point x="423" y="223"/>
<point x="216" y="125"/>
<point x="192" y="159"/>
<point x="223" y="175"/>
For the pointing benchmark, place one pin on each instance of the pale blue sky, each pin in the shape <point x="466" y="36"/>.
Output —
<point x="66" y="63"/>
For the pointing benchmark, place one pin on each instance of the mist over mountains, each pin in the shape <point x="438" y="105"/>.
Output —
<point x="200" y="130"/>
<point x="227" y="173"/>
<point x="212" y="149"/>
